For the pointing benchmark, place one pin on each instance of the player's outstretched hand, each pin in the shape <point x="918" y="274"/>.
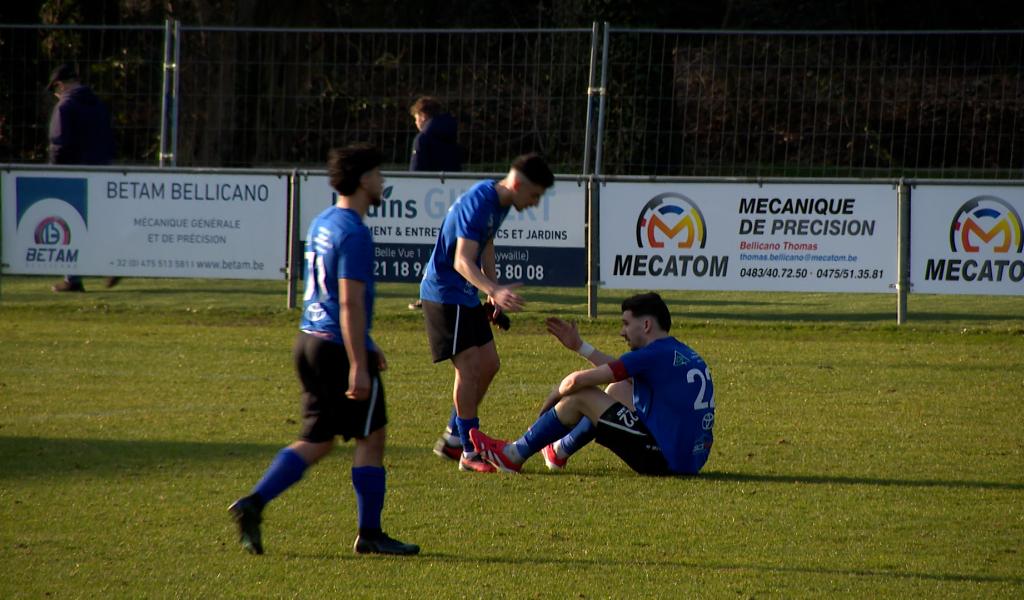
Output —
<point x="565" y="331"/>
<point x="506" y="299"/>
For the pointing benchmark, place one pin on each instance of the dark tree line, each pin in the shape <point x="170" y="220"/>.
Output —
<point x="256" y="99"/>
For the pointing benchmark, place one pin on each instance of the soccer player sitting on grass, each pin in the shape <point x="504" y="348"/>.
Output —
<point x="657" y="415"/>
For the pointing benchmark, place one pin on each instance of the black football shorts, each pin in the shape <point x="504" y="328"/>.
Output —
<point x="322" y="367"/>
<point x="452" y="328"/>
<point x="621" y="431"/>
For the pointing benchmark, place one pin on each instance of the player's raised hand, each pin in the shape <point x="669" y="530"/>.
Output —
<point x="506" y="299"/>
<point x="565" y="331"/>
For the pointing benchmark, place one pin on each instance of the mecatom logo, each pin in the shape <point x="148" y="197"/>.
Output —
<point x="671" y="226"/>
<point x="670" y="218"/>
<point x="986" y="222"/>
<point x="988" y="230"/>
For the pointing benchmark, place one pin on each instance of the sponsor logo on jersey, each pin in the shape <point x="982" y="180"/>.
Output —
<point x="985" y="234"/>
<point x="678" y="359"/>
<point x="671" y="234"/>
<point x="315" y="312"/>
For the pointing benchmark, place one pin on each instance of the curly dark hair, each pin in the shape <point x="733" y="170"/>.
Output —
<point x="345" y="166"/>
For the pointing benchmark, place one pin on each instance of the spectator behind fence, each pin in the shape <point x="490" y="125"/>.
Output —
<point x="436" y="147"/>
<point x="80" y="134"/>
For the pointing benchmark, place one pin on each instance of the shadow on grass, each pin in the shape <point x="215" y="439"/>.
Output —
<point x="241" y="290"/>
<point x="848" y="317"/>
<point x="26" y="457"/>
<point x="33" y="456"/>
<point x="837" y="480"/>
<point x="560" y="561"/>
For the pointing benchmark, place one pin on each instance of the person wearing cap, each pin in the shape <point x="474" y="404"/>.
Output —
<point x="80" y="134"/>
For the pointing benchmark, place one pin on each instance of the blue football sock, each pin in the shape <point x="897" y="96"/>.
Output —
<point x="453" y="423"/>
<point x="286" y="469"/>
<point x="544" y="431"/>
<point x="580" y="436"/>
<point x="464" y="426"/>
<point x="370" y="487"/>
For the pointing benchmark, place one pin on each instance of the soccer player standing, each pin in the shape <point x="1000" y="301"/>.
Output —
<point x="657" y="415"/>
<point x="460" y="267"/>
<point x="337" y="362"/>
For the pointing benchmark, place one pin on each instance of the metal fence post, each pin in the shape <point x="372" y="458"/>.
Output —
<point x="593" y="244"/>
<point x="591" y="90"/>
<point x="169" y="97"/>
<point x="593" y="190"/>
<point x="902" y="251"/>
<point x="601" y="105"/>
<point x="293" y="253"/>
<point x="165" y="94"/>
<point x="174" y="93"/>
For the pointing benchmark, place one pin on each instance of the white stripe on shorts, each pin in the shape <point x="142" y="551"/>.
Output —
<point x="622" y="427"/>
<point x="458" y="318"/>
<point x="369" y="412"/>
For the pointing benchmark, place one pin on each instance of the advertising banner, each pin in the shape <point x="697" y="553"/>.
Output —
<point x="815" y="237"/>
<point x="144" y="224"/>
<point x="967" y="240"/>
<point x="544" y="245"/>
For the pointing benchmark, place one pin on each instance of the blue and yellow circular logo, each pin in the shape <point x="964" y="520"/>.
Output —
<point x="986" y="223"/>
<point x="672" y="219"/>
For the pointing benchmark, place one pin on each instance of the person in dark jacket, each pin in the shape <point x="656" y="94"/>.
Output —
<point x="435" y="147"/>
<point x="80" y="134"/>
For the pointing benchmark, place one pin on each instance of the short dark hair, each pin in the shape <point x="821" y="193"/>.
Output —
<point x="649" y="305"/>
<point x="64" y="72"/>
<point x="535" y="169"/>
<point x="428" y="105"/>
<point x="346" y="166"/>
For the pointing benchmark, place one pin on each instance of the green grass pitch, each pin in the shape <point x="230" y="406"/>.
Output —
<point x="852" y="457"/>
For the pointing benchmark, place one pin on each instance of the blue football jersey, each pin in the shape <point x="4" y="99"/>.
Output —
<point x="476" y="215"/>
<point x="675" y="398"/>
<point x="338" y="246"/>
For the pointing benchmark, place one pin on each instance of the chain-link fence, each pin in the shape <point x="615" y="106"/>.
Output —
<point x="700" y="103"/>
<point x="815" y="104"/>
<point x="286" y="96"/>
<point x="123" y="64"/>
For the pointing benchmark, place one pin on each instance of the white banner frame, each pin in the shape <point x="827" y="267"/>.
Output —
<point x="544" y="245"/>
<point x="813" y="236"/>
<point x="967" y="239"/>
<point x="225" y="224"/>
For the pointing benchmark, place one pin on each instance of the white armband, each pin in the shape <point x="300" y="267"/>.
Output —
<point x="585" y="350"/>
